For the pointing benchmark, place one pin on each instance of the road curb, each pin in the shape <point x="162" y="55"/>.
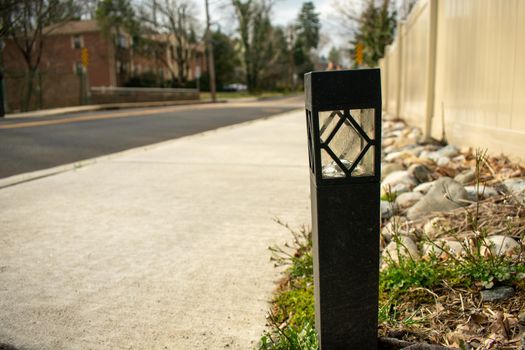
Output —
<point x="109" y="106"/>
<point x="39" y="174"/>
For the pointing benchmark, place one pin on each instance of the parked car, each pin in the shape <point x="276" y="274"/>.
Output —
<point x="235" y="87"/>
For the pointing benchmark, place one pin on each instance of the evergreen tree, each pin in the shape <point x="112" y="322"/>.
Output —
<point x="307" y="38"/>
<point x="226" y="59"/>
<point x="334" y="56"/>
<point x="308" y="26"/>
<point x="116" y="15"/>
<point x="375" y="31"/>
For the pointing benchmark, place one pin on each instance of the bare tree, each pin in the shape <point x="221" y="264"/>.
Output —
<point x="176" y="19"/>
<point x="8" y="17"/>
<point x="254" y="28"/>
<point x="118" y="21"/>
<point x="26" y="23"/>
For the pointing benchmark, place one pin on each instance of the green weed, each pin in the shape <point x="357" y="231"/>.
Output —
<point x="291" y="339"/>
<point x="292" y="318"/>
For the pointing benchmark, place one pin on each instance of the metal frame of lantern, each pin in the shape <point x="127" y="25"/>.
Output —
<point x="360" y="94"/>
<point x="343" y="112"/>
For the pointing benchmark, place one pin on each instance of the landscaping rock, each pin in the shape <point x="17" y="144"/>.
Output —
<point x="397" y="225"/>
<point x="389" y="149"/>
<point x="465" y="177"/>
<point x="406" y="139"/>
<point x="401" y="176"/>
<point x="448" y="151"/>
<point x="445" y="195"/>
<point x="521" y="318"/>
<point x="405" y="248"/>
<point x="389" y="168"/>
<point x="398" y="182"/>
<point x="397" y="189"/>
<point x="408" y="199"/>
<point x="420" y="172"/>
<point x="388" y="209"/>
<point x="459" y="159"/>
<point x="435" y="226"/>
<point x="424" y="187"/>
<point x="516" y="187"/>
<point x="483" y="191"/>
<point x="398" y="156"/>
<point x="398" y="125"/>
<point x="442" y="161"/>
<point x="500" y="246"/>
<point x="443" y="248"/>
<point x="415" y="150"/>
<point x="497" y="293"/>
<point x="388" y="141"/>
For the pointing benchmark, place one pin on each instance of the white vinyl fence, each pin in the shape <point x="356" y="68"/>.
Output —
<point x="459" y="65"/>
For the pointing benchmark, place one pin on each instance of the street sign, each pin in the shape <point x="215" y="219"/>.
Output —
<point x="85" y="57"/>
<point x="198" y="72"/>
<point x="359" y="53"/>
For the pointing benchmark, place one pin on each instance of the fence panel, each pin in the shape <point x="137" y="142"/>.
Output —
<point x="478" y="69"/>
<point x="415" y="34"/>
<point x="469" y="83"/>
<point x="392" y="77"/>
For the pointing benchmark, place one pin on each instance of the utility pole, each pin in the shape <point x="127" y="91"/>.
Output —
<point x="2" y="90"/>
<point x="211" y="61"/>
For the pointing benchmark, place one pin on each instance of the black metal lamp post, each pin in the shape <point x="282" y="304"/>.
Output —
<point x="343" y="111"/>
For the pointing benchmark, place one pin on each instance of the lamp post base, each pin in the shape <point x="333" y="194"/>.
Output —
<point x="345" y="232"/>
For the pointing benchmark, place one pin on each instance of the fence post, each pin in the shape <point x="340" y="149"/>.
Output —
<point x="431" y="73"/>
<point x="400" y="29"/>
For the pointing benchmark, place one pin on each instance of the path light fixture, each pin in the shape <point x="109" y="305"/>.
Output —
<point x="343" y="112"/>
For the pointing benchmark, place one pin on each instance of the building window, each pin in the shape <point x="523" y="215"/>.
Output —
<point x="122" y="41"/>
<point x="77" y="41"/>
<point x="78" y="68"/>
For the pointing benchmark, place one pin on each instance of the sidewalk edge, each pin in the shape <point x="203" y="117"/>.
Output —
<point x="39" y="174"/>
<point x="102" y="107"/>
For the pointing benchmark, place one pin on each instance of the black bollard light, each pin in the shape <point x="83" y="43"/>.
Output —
<point x="343" y="111"/>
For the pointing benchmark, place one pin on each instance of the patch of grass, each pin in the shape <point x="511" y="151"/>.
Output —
<point x="415" y="296"/>
<point x="294" y="305"/>
<point x="291" y="318"/>
<point x="389" y="196"/>
<point x="471" y="271"/>
<point x="291" y="339"/>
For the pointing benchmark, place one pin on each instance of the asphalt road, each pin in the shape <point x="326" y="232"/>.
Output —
<point x="29" y="144"/>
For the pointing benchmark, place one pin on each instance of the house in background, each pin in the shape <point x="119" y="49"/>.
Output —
<point x="112" y="62"/>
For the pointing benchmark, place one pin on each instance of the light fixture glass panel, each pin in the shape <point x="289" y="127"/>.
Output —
<point x="366" y="164"/>
<point x="310" y="147"/>
<point x="327" y="122"/>
<point x="347" y="144"/>
<point x="330" y="168"/>
<point x="366" y="119"/>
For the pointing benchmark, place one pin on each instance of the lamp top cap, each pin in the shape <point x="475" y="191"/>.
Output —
<point x="357" y="88"/>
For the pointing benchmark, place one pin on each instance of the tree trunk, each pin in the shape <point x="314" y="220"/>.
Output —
<point x="26" y="103"/>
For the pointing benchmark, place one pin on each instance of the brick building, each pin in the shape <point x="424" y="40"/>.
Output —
<point x="112" y="62"/>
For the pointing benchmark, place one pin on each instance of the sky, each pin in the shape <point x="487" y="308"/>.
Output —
<point x="284" y="12"/>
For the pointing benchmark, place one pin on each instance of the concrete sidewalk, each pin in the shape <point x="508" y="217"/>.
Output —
<point x="158" y="249"/>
